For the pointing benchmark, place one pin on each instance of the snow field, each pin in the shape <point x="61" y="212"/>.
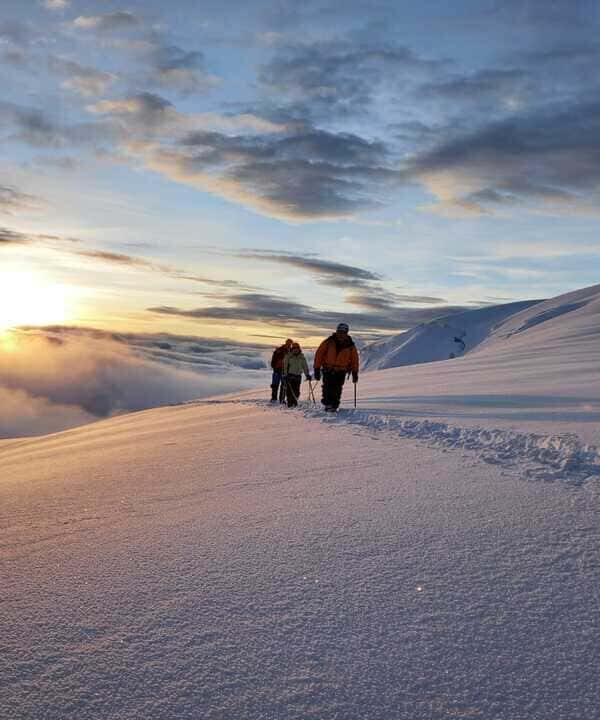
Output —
<point x="224" y="560"/>
<point x="228" y="559"/>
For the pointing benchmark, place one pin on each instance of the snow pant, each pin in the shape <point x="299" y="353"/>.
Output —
<point x="293" y="389"/>
<point x="333" y="382"/>
<point x="277" y="385"/>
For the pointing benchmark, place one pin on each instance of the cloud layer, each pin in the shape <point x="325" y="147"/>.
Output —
<point x="14" y="200"/>
<point x="331" y="126"/>
<point x="550" y="159"/>
<point x="307" y="175"/>
<point x="276" y="311"/>
<point x="57" y="378"/>
<point x="108" y="22"/>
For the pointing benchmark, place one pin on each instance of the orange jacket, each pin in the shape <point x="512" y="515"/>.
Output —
<point x="332" y="355"/>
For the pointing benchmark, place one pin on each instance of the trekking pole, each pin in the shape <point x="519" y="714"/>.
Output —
<point x="355" y="384"/>
<point x="312" y="392"/>
<point x="282" y="390"/>
<point x="315" y="386"/>
<point x="292" y="393"/>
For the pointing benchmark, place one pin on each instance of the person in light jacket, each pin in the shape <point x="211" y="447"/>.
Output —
<point x="294" y="364"/>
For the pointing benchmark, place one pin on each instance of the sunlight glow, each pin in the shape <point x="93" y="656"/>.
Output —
<point x="28" y="299"/>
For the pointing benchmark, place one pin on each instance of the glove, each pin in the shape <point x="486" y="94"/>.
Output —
<point x="354" y="377"/>
<point x="317" y="374"/>
<point x="309" y="378"/>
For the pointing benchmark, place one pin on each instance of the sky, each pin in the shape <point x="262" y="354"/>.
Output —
<point x="247" y="171"/>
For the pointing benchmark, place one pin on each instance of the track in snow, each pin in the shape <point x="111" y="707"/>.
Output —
<point x="561" y="457"/>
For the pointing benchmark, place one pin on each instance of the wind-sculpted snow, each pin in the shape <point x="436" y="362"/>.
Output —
<point x="545" y="457"/>
<point x="548" y="314"/>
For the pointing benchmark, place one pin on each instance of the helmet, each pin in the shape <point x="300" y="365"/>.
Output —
<point x="343" y="327"/>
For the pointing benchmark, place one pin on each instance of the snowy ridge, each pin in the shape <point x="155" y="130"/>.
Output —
<point x="544" y="457"/>
<point x="447" y="337"/>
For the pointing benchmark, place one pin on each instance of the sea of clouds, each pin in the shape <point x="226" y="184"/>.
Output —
<point x="55" y="378"/>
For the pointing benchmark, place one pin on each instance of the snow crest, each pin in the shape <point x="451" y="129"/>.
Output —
<point x="542" y="457"/>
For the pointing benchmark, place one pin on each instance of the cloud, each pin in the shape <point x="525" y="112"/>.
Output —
<point x="56" y="4"/>
<point x="248" y="307"/>
<point x="247" y="304"/>
<point x="547" y="159"/>
<point x="340" y="77"/>
<point x="178" y="69"/>
<point x="566" y="55"/>
<point x="236" y="123"/>
<point x="16" y="38"/>
<point x="276" y="311"/>
<point x="13" y="237"/>
<point x="505" y="87"/>
<point x="9" y="236"/>
<point x="305" y="175"/>
<point x="37" y="128"/>
<point x="558" y="15"/>
<point x="145" y="114"/>
<point x="22" y="414"/>
<point x="116" y="258"/>
<point x="65" y="163"/>
<point x="164" y="65"/>
<point x="15" y="33"/>
<point x="383" y="300"/>
<point x="24" y="53"/>
<point x="363" y="286"/>
<point x="142" y="114"/>
<point x="289" y="171"/>
<point x="86" y="81"/>
<point x="130" y="261"/>
<point x="282" y="168"/>
<point x="108" y="22"/>
<point x="327" y="271"/>
<point x="13" y="200"/>
<point x="71" y="246"/>
<point x="55" y="378"/>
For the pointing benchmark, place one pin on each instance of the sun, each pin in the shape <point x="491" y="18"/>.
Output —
<point x="29" y="299"/>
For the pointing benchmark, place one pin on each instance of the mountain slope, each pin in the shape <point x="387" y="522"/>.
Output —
<point x="538" y="371"/>
<point x="447" y="337"/>
<point x="570" y="319"/>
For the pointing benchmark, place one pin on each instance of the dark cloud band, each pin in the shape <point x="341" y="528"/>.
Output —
<point x="276" y="311"/>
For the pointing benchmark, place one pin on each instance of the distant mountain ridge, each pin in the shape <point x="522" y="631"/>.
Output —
<point x="447" y="337"/>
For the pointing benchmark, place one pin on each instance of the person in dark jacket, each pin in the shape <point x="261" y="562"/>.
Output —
<point x="336" y="357"/>
<point x="277" y="367"/>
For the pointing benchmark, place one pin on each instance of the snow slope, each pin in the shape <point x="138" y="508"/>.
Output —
<point x="447" y="337"/>
<point x="231" y="559"/>
<point x="537" y="372"/>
